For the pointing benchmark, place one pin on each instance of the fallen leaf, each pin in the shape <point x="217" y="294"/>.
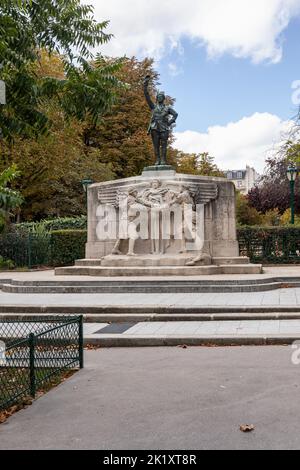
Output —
<point x="247" y="427"/>
<point x="91" y="347"/>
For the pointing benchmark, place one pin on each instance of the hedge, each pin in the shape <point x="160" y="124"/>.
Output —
<point x="56" y="248"/>
<point x="62" y="247"/>
<point x="60" y="223"/>
<point x="67" y="246"/>
<point x="270" y="244"/>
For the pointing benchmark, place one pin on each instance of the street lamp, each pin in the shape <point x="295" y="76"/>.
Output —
<point x="85" y="184"/>
<point x="292" y="173"/>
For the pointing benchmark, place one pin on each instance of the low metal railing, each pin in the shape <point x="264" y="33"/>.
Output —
<point x="273" y="246"/>
<point x="35" y="353"/>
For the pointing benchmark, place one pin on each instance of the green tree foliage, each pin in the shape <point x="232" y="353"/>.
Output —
<point x="10" y="199"/>
<point x="271" y="218"/>
<point x="122" y="136"/>
<point x="290" y="150"/>
<point x="285" y="219"/>
<point x="69" y="29"/>
<point x="197" y="164"/>
<point x="52" y="166"/>
<point x="245" y="214"/>
<point x="273" y="189"/>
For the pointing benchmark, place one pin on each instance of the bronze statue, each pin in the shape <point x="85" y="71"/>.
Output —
<point x="163" y="117"/>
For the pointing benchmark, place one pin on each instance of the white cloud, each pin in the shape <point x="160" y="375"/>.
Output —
<point x="174" y="69"/>
<point x="243" y="28"/>
<point x="245" y="142"/>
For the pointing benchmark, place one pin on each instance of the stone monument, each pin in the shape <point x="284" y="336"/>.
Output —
<point x="161" y="223"/>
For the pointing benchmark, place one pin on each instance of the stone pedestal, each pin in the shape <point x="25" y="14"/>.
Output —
<point x="162" y="223"/>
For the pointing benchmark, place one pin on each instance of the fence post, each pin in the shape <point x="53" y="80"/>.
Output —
<point x="29" y="251"/>
<point x="81" y="342"/>
<point x="32" y="365"/>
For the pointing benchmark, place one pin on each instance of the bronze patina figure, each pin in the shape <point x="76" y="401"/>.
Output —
<point x="163" y="117"/>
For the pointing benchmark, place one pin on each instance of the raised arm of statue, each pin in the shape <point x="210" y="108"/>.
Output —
<point x="146" y="92"/>
<point x="173" y="113"/>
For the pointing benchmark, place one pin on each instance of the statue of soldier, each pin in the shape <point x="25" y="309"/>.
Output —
<point x="162" y="119"/>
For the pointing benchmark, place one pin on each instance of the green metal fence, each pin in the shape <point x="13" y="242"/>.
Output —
<point x="260" y="244"/>
<point x="26" y="249"/>
<point x="273" y="246"/>
<point x="34" y="353"/>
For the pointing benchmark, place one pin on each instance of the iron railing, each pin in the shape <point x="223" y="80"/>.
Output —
<point x="26" y="249"/>
<point x="270" y="245"/>
<point x="37" y="354"/>
<point x="264" y="245"/>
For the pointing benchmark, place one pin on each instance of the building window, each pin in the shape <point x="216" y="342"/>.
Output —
<point x="229" y="175"/>
<point x="239" y="175"/>
<point x="240" y="184"/>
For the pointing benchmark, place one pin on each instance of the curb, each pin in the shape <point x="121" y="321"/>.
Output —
<point x="109" y="341"/>
<point x="143" y="309"/>
<point x="117" y="318"/>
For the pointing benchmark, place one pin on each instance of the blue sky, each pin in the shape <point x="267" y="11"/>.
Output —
<point x="230" y="65"/>
<point x="215" y="92"/>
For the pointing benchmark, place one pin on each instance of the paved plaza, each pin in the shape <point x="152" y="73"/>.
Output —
<point x="167" y="398"/>
<point x="278" y="297"/>
<point x="203" y="328"/>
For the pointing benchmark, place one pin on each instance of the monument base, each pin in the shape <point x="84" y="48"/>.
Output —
<point x="162" y="265"/>
<point x="159" y="168"/>
<point x="162" y="223"/>
<point x="156" y="171"/>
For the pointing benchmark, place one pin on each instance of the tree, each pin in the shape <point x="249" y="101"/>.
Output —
<point x="52" y="164"/>
<point x="273" y="190"/>
<point x="197" y="164"/>
<point x="291" y="152"/>
<point x="52" y="167"/>
<point x="122" y="136"/>
<point x="245" y="214"/>
<point x="68" y="28"/>
<point x="271" y="217"/>
<point x="9" y="198"/>
<point x="285" y="219"/>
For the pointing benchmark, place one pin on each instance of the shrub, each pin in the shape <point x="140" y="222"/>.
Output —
<point x="67" y="246"/>
<point x="285" y="219"/>
<point x="6" y="263"/>
<point x="246" y="214"/>
<point x="61" y="223"/>
<point x="271" y="218"/>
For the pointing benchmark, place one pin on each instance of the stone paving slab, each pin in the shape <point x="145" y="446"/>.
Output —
<point x="280" y="297"/>
<point x="193" y="333"/>
<point x="215" y="328"/>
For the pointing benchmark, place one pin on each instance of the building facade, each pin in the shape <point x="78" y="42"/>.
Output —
<point x="244" y="180"/>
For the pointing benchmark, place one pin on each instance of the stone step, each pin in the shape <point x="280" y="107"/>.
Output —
<point x="145" y="310"/>
<point x="151" y="260"/>
<point x="135" y="318"/>
<point x="143" y="288"/>
<point x="156" y="281"/>
<point x="282" y="281"/>
<point x="159" y="270"/>
<point x="194" y="333"/>
<point x="126" y="341"/>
